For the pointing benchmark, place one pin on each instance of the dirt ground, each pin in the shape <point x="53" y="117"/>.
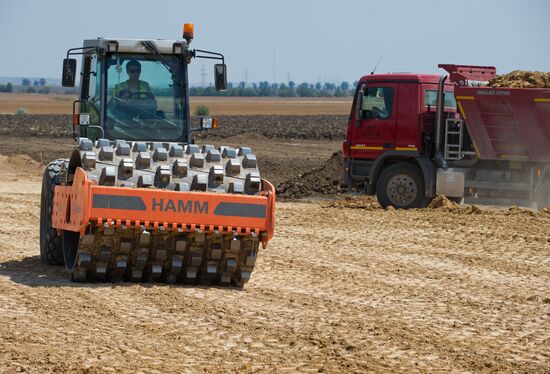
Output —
<point x="344" y="286"/>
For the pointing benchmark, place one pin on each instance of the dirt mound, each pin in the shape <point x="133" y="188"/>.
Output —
<point x="19" y="165"/>
<point x="324" y="180"/>
<point x="443" y="203"/>
<point x="522" y="79"/>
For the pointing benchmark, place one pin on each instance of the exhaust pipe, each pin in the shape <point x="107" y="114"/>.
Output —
<point x="439" y="160"/>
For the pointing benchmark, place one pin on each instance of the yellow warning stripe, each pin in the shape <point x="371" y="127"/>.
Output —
<point x="374" y="148"/>
<point x="514" y="156"/>
<point x="367" y="148"/>
<point x="464" y="97"/>
<point x="477" y="150"/>
<point x="460" y="109"/>
<point x="541" y="100"/>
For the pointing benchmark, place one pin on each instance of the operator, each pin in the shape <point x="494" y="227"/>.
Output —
<point x="133" y="88"/>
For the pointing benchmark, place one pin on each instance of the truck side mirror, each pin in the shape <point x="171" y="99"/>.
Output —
<point x="220" y="77"/>
<point x="360" y="100"/>
<point x="69" y="72"/>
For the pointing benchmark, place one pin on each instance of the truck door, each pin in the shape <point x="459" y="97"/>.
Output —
<point x="375" y="120"/>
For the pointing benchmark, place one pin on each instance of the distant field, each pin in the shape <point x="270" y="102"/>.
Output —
<point x="62" y="104"/>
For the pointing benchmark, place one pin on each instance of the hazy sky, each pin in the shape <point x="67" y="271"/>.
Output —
<point x="327" y="41"/>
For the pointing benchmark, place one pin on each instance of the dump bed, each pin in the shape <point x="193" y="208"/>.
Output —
<point x="507" y="123"/>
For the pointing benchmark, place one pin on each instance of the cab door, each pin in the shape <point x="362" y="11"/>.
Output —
<point x="375" y="120"/>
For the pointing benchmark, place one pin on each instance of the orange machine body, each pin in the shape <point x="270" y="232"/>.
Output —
<point x="85" y="202"/>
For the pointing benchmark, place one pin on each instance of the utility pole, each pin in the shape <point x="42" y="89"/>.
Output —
<point x="274" y="64"/>
<point x="203" y="77"/>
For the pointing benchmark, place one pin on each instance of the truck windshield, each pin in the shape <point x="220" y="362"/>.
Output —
<point x="430" y="98"/>
<point x="144" y="98"/>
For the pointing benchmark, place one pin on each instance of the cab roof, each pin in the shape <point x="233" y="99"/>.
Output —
<point x="402" y="77"/>
<point x="135" y="45"/>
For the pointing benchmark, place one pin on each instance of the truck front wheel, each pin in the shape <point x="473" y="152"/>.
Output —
<point x="402" y="186"/>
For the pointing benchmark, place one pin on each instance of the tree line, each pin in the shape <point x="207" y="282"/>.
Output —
<point x="267" y="89"/>
<point x="6" y="87"/>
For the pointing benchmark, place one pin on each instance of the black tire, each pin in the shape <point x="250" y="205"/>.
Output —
<point x="543" y="196"/>
<point x="51" y="245"/>
<point x="401" y="185"/>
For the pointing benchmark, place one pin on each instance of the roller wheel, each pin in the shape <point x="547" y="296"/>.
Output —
<point x="51" y="246"/>
<point x="402" y="186"/>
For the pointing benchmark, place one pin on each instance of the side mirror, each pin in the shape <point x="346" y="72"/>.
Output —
<point x="209" y="123"/>
<point x="69" y="72"/>
<point x="220" y="77"/>
<point x="360" y="100"/>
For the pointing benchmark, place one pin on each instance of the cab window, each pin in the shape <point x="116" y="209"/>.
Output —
<point x="145" y="99"/>
<point x="377" y="103"/>
<point x="430" y="98"/>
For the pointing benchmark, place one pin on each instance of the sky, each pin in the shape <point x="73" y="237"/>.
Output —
<point x="300" y="40"/>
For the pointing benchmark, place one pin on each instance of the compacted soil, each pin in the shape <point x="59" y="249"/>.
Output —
<point x="344" y="286"/>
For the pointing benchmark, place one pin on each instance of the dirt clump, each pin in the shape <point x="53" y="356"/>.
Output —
<point x="442" y="202"/>
<point x="445" y="204"/>
<point x="324" y="180"/>
<point x="521" y="79"/>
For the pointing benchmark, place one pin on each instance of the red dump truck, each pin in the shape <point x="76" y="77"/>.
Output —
<point x="411" y="137"/>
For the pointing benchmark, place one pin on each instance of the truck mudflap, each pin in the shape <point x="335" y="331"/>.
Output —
<point x="144" y="234"/>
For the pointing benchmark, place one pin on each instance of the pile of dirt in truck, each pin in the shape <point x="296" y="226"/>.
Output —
<point x="522" y="79"/>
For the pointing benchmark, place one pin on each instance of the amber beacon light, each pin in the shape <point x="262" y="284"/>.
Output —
<point x="188" y="31"/>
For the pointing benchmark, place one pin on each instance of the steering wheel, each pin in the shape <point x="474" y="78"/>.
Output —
<point x="379" y="113"/>
<point x="131" y="110"/>
<point x="127" y="94"/>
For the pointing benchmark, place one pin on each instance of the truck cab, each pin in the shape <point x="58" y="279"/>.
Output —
<point x="392" y="120"/>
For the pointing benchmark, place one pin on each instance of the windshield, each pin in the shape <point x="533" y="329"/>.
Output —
<point x="144" y="98"/>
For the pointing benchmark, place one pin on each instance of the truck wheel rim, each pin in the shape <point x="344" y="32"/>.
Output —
<point x="401" y="190"/>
